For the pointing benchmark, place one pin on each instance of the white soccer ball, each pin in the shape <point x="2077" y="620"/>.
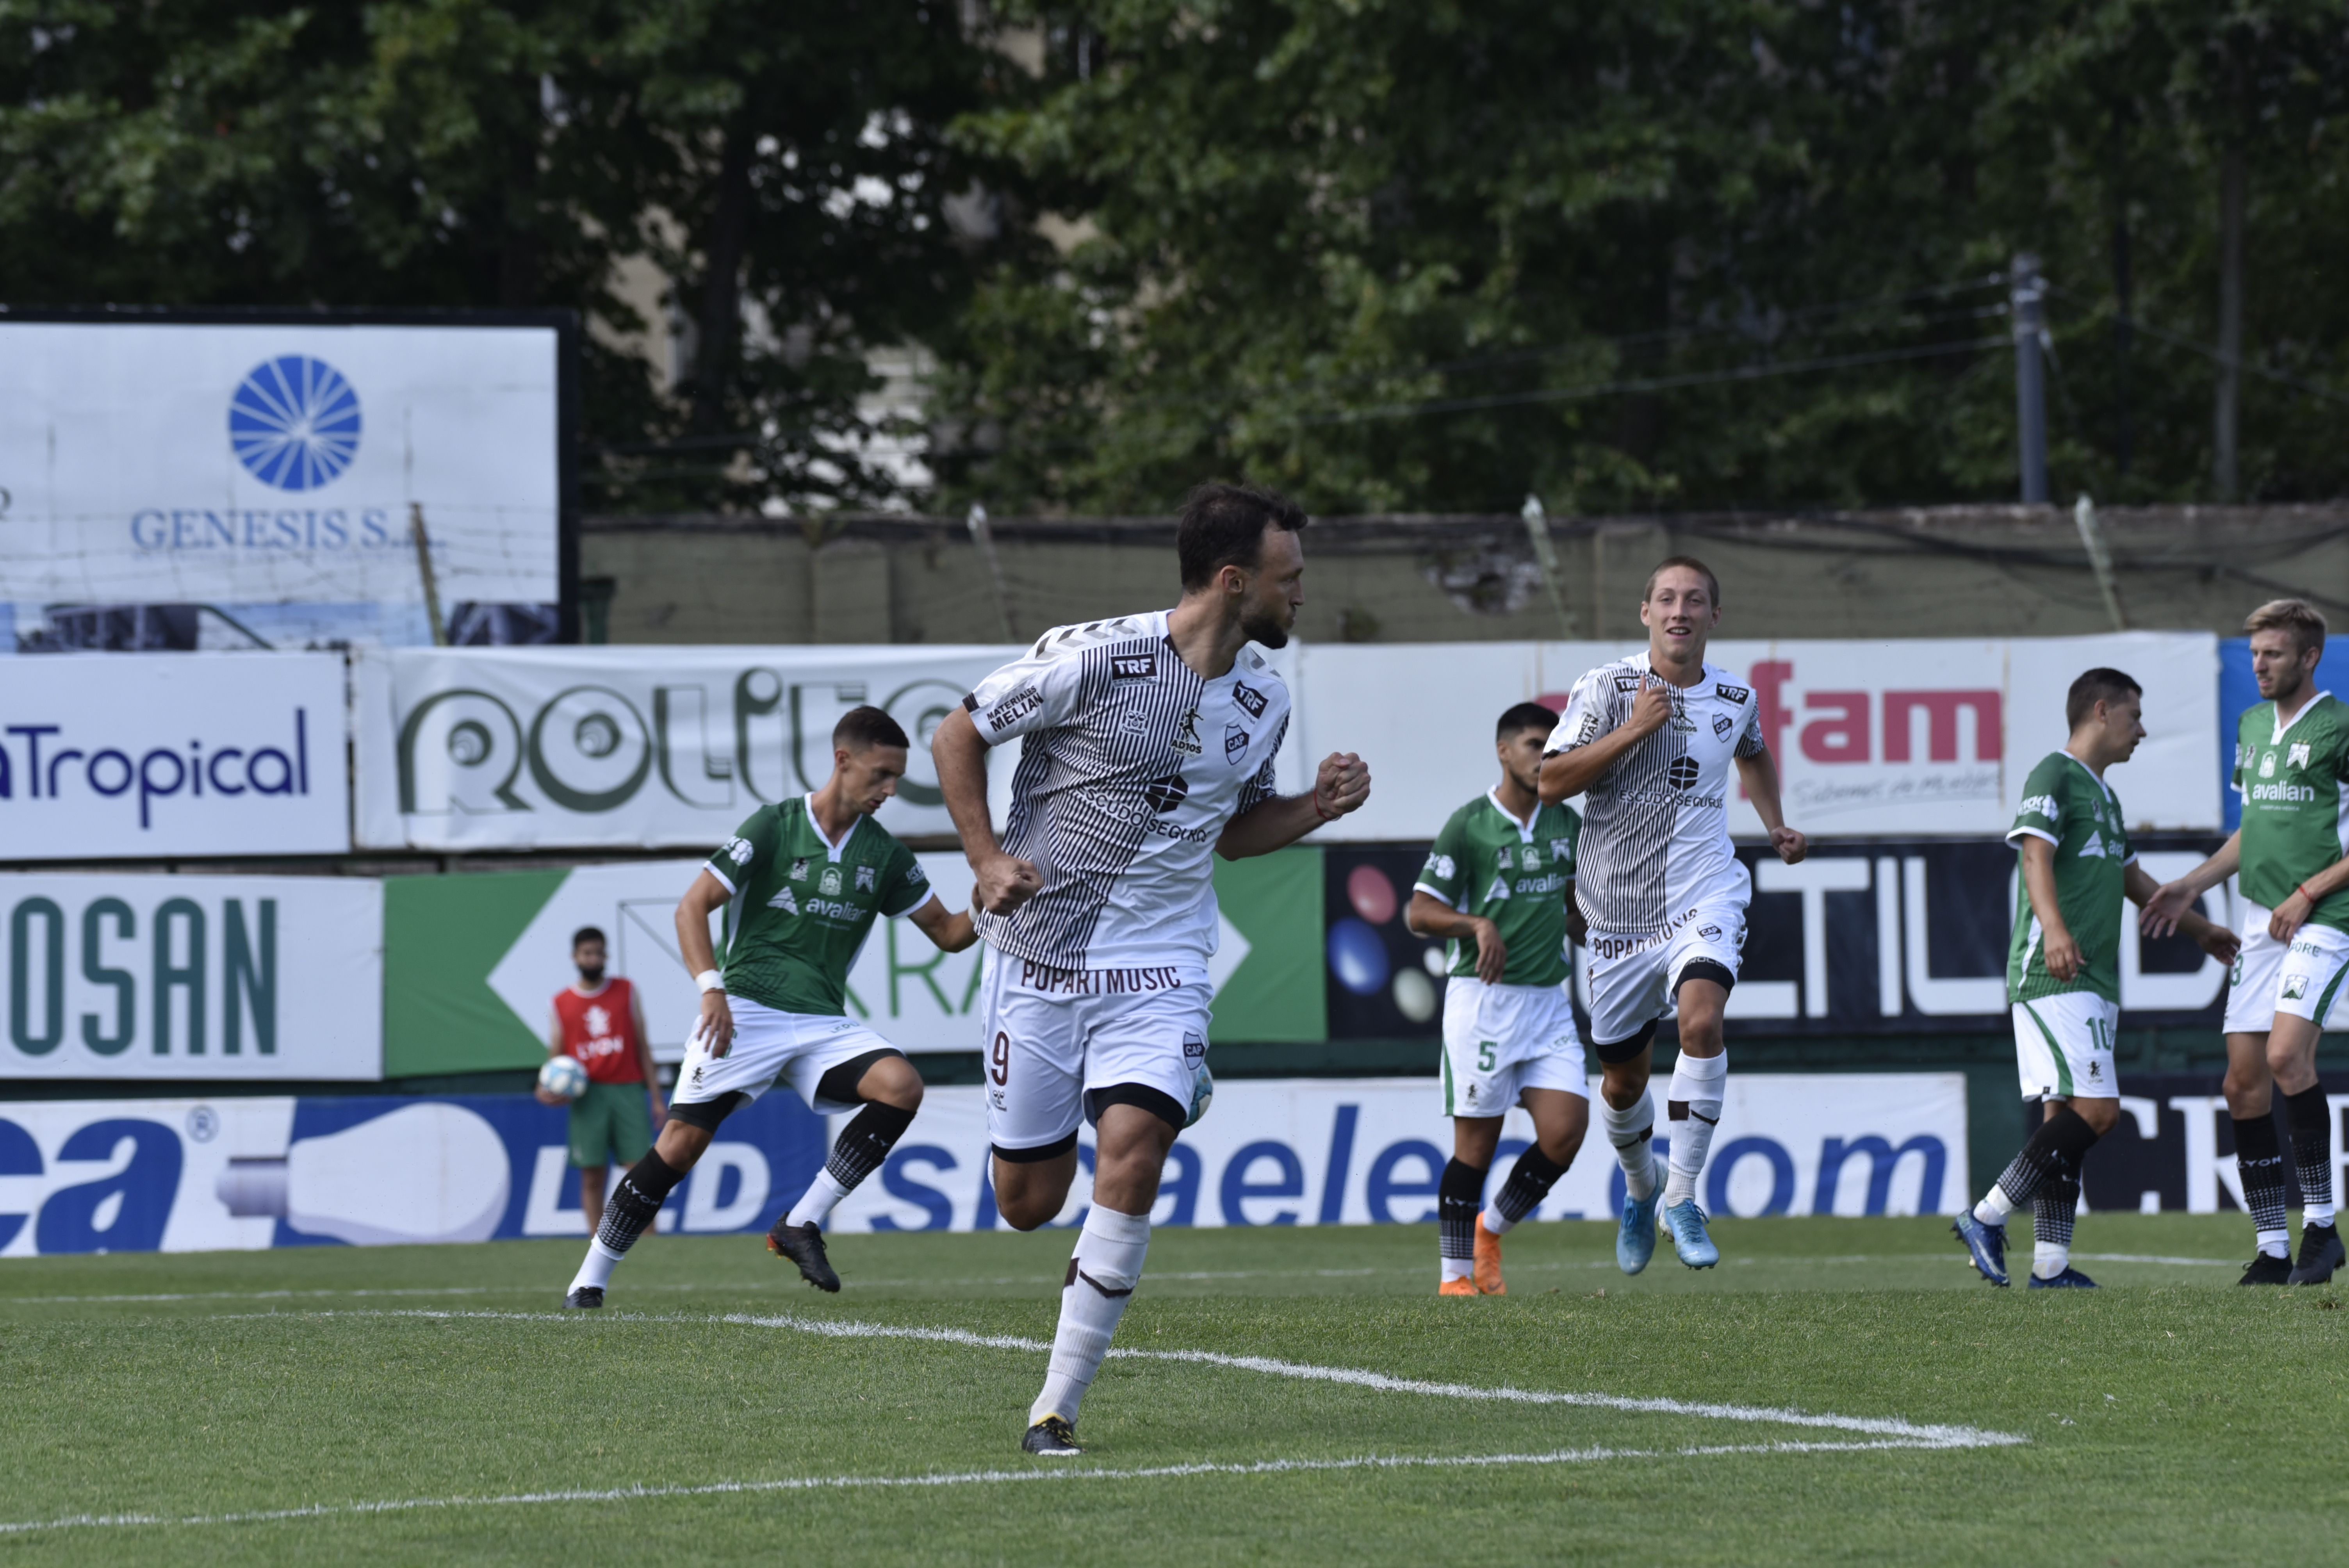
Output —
<point x="1203" y="1094"/>
<point x="565" y="1077"/>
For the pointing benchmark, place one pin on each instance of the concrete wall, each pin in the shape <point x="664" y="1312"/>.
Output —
<point x="1970" y="572"/>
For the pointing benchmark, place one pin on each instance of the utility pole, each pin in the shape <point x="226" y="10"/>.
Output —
<point x="2029" y="377"/>
<point x="1546" y="557"/>
<point x="2231" y="318"/>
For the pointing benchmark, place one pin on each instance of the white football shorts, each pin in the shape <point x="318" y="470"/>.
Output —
<point x="799" y="1047"/>
<point x="2064" y="1046"/>
<point x="2301" y="977"/>
<point x="1634" y="979"/>
<point x="1056" y="1035"/>
<point x="1502" y="1040"/>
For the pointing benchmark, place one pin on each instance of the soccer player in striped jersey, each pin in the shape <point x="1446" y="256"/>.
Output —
<point x="2292" y="767"/>
<point x="2063" y="974"/>
<point x="801" y="883"/>
<point x="1147" y="747"/>
<point x="1648" y="743"/>
<point x="1499" y="887"/>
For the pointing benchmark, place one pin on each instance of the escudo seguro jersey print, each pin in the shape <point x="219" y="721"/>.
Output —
<point x="1488" y="864"/>
<point x="1655" y="830"/>
<point x="802" y="906"/>
<point x="2294" y="780"/>
<point x="2072" y="808"/>
<point x="1130" y="765"/>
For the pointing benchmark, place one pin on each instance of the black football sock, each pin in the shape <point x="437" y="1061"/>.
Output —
<point x="2310" y="1120"/>
<point x="860" y="1150"/>
<point x="1529" y="1183"/>
<point x="636" y="1200"/>
<point x="1458" y="1195"/>
<point x="2052" y="1153"/>
<point x="2053" y="1213"/>
<point x="2259" y="1161"/>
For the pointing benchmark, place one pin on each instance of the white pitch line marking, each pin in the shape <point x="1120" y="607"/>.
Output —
<point x="960" y="1478"/>
<point x="1909" y="1433"/>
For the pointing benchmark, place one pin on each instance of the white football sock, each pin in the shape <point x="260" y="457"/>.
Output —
<point x="1102" y="1277"/>
<point x="1623" y="1130"/>
<point x="2275" y="1243"/>
<point x="1495" y="1222"/>
<point x="1995" y="1207"/>
<point x="816" y="1204"/>
<point x="1457" y="1268"/>
<point x="1696" y="1081"/>
<point x="2317" y="1215"/>
<point x="596" y="1268"/>
<point x="2049" y="1259"/>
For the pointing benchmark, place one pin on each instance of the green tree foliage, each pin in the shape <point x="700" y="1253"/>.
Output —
<point x="1421" y="254"/>
<point x="782" y="163"/>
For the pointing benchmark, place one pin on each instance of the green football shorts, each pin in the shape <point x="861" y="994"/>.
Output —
<point x="613" y="1116"/>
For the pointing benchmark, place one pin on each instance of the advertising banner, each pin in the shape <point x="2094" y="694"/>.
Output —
<point x="248" y="466"/>
<point x="135" y="977"/>
<point x="140" y="756"/>
<point x="475" y="961"/>
<point x="1909" y="737"/>
<point x="1352" y="1151"/>
<point x="1881" y="937"/>
<point x="184" y="1175"/>
<point x="2174" y="1147"/>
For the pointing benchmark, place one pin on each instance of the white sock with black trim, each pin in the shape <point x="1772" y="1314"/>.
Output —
<point x="1103" y="1273"/>
<point x="1698" y="1083"/>
<point x="1631" y="1131"/>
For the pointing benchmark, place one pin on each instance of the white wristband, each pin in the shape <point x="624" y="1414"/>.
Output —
<point x="711" y="980"/>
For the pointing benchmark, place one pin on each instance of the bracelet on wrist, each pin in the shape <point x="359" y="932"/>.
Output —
<point x="711" y="980"/>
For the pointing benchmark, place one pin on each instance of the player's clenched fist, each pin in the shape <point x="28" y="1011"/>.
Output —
<point x="1342" y="786"/>
<point x="1004" y="882"/>
<point x="1651" y="709"/>
<point x="1790" y="844"/>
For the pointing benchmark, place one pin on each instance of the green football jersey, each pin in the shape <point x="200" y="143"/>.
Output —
<point x="1485" y="862"/>
<point x="2294" y="779"/>
<point x="802" y="908"/>
<point x="2077" y="812"/>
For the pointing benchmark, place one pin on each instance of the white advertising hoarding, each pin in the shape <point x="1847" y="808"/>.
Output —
<point x="1901" y="737"/>
<point x="462" y="748"/>
<point x="143" y="977"/>
<point x="1350" y="1151"/>
<point x="276" y="463"/>
<point x="142" y="756"/>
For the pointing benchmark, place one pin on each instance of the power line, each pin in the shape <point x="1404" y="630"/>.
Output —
<point x="2178" y="340"/>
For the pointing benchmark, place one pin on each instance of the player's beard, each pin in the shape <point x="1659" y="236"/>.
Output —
<point x="1265" y="627"/>
<point x="591" y="977"/>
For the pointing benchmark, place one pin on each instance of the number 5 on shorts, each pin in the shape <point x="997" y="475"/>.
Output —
<point x="1484" y="1049"/>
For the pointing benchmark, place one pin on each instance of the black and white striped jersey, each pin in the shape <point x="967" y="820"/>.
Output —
<point x="1655" y="826"/>
<point x="1130" y="766"/>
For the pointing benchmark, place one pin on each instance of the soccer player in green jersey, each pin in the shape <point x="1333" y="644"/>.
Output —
<point x="2292" y="767"/>
<point x="1499" y="887"/>
<point x="2063" y="977"/>
<point x="801" y="883"/>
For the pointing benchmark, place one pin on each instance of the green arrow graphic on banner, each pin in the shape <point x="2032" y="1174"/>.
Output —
<point x="441" y="937"/>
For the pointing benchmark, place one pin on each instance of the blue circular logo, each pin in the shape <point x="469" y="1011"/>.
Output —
<point x="295" y="422"/>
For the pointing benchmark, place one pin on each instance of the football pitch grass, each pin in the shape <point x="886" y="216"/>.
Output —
<point x="1838" y="1390"/>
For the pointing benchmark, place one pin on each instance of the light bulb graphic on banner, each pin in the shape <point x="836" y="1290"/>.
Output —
<point x="425" y="1173"/>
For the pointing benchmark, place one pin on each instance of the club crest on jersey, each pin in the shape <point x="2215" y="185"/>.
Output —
<point x="828" y="885"/>
<point x="784" y="901"/>
<point x="1195" y="1047"/>
<point x="2295" y="987"/>
<point x="864" y="879"/>
<point x="1251" y="698"/>
<point x="1186" y="736"/>
<point x="2267" y="764"/>
<point x="1529" y="859"/>
<point x="1723" y="724"/>
<point x="2299" y="757"/>
<point x="799" y="870"/>
<point x="1737" y="695"/>
<point x="1236" y="743"/>
<point x="1133" y="666"/>
<point x="1710" y="932"/>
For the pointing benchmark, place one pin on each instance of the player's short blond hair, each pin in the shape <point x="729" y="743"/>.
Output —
<point x="2303" y="620"/>
<point x="1711" y="583"/>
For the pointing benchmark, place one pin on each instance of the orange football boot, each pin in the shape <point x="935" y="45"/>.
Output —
<point x="1488" y="1261"/>
<point x="1462" y="1285"/>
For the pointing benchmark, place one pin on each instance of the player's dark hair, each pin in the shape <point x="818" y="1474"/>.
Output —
<point x="1711" y="583"/>
<point x="2099" y="685"/>
<point x="1223" y="525"/>
<point x="1526" y="716"/>
<point x="2303" y="620"/>
<point x="868" y="726"/>
<point x="586" y="933"/>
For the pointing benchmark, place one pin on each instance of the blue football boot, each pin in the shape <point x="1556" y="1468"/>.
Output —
<point x="1686" y="1222"/>
<point x="1635" y="1241"/>
<point x="2070" y="1279"/>
<point x="1986" y="1244"/>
